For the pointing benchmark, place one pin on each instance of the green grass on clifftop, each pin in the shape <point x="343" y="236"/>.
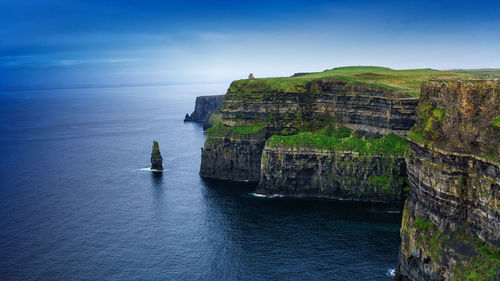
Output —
<point x="400" y="79"/>
<point x="344" y="140"/>
<point x="406" y="81"/>
<point x="496" y="122"/>
<point x="220" y="130"/>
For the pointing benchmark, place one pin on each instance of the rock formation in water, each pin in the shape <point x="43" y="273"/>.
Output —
<point x="156" y="159"/>
<point x="253" y="111"/>
<point x="451" y="219"/>
<point x="205" y="107"/>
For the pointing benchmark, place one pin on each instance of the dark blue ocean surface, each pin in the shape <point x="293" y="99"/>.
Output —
<point x="75" y="204"/>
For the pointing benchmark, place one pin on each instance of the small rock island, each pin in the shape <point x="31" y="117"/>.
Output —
<point x="156" y="159"/>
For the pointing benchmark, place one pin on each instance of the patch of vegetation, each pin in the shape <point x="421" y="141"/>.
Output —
<point x="383" y="182"/>
<point x="214" y="119"/>
<point x="484" y="265"/>
<point x="247" y="129"/>
<point x="406" y="190"/>
<point x="342" y="132"/>
<point x="403" y="181"/>
<point x="156" y="148"/>
<point x="439" y="114"/>
<point x="496" y="122"/>
<point x="219" y="130"/>
<point x="421" y="223"/>
<point x="344" y="140"/>
<point x="426" y="129"/>
<point x="492" y="158"/>
<point x="481" y="263"/>
<point x="429" y="237"/>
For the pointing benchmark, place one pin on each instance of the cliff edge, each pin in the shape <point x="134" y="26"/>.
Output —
<point x="450" y="228"/>
<point x="205" y="106"/>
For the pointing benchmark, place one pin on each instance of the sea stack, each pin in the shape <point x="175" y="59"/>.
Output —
<point x="156" y="160"/>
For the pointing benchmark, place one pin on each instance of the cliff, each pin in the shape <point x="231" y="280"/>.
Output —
<point x="205" y="106"/>
<point x="299" y="106"/>
<point x="232" y="157"/>
<point x="450" y="228"/>
<point x="304" y="169"/>
<point x="293" y="105"/>
<point x="373" y="101"/>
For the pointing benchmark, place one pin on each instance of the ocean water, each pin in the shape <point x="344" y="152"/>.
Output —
<point x="77" y="204"/>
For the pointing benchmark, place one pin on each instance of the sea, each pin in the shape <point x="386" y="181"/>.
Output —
<point x="78" y="202"/>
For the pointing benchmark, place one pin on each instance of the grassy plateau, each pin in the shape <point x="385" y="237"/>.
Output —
<point x="403" y="81"/>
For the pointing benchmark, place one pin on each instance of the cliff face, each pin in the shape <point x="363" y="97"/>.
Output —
<point x="355" y="105"/>
<point x="295" y="108"/>
<point x="313" y="172"/>
<point x="450" y="228"/>
<point x="232" y="157"/>
<point x="204" y="107"/>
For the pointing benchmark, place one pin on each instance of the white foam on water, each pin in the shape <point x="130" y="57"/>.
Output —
<point x="257" y="195"/>
<point x="393" y="212"/>
<point x="265" y="196"/>
<point x="152" y="170"/>
<point x="391" y="272"/>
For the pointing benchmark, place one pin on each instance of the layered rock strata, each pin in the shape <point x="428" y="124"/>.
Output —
<point x="451" y="220"/>
<point x="300" y="107"/>
<point x="313" y="172"/>
<point x="355" y="105"/>
<point x="232" y="157"/>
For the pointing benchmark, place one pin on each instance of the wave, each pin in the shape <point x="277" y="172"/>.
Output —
<point x="152" y="170"/>
<point x="266" y="196"/>
<point x="391" y="272"/>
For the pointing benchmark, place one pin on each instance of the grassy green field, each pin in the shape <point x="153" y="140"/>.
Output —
<point x="405" y="81"/>
<point x="484" y="72"/>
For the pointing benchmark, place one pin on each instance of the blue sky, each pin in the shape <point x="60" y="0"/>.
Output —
<point x="78" y="43"/>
